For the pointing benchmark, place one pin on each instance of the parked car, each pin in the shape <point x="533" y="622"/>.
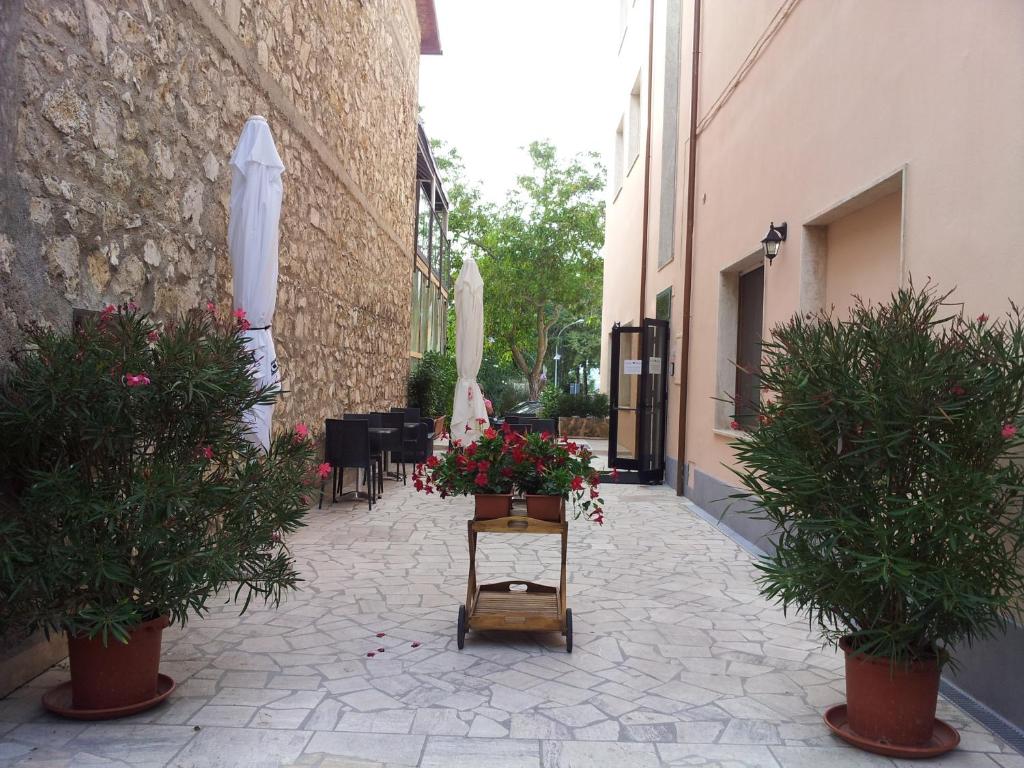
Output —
<point x="528" y="409"/>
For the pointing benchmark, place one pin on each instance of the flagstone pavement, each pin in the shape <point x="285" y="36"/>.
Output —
<point x="677" y="661"/>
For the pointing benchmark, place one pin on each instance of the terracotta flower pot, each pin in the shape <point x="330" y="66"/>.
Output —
<point x="120" y="674"/>
<point x="891" y="704"/>
<point x="545" y="507"/>
<point x="491" y="506"/>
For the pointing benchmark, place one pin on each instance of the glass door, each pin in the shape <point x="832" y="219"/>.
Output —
<point x="652" y="403"/>
<point x="624" y="398"/>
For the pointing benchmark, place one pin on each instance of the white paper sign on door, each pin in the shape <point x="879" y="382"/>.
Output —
<point x="654" y="365"/>
<point x="632" y="367"/>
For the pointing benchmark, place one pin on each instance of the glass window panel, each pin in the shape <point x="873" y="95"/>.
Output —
<point x="424" y="217"/>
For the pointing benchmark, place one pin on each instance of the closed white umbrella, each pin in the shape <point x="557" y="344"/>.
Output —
<point x="469" y="416"/>
<point x="253" y="218"/>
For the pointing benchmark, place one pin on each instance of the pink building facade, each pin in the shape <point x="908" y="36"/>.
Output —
<point x="887" y="136"/>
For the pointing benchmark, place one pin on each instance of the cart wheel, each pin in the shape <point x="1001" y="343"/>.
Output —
<point x="462" y="627"/>
<point x="568" y="630"/>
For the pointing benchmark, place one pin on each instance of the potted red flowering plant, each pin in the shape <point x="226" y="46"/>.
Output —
<point x="481" y="469"/>
<point x="549" y="471"/>
<point x="131" y="495"/>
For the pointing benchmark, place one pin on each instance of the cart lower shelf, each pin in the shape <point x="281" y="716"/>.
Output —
<point x="513" y="606"/>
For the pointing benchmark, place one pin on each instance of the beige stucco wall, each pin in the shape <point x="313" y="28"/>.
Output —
<point x="805" y="106"/>
<point x="843" y="95"/>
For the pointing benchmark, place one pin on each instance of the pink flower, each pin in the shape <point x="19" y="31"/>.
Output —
<point x="207" y="452"/>
<point x="615" y="474"/>
<point x="239" y="314"/>
<point x="301" y="432"/>
<point x="1008" y="430"/>
<point x="957" y="390"/>
<point x="734" y="424"/>
<point x="982" y="318"/>
<point x="276" y="537"/>
<point x="245" y="325"/>
<point x="488" y="406"/>
<point x="108" y="310"/>
<point x="152" y="336"/>
<point x="133" y="380"/>
<point x="133" y="307"/>
<point x="323" y="470"/>
<point x="211" y="307"/>
<point x="481" y="421"/>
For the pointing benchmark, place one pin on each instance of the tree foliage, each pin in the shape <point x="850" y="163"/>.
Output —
<point x="539" y="252"/>
<point x="887" y="458"/>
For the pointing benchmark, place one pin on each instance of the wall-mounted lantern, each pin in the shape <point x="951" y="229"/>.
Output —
<point x="773" y="240"/>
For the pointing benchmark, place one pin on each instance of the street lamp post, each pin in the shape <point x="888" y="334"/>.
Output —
<point x="558" y="337"/>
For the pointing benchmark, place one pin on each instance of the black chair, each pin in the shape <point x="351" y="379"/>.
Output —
<point x="412" y="412"/>
<point x="394" y="443"/>
<point x="376" y="451"/>
<point x="513" y="419"/>
<point x="543" y="425"/>
<point x="522" y="429"/>
<point x="347" y="446"/>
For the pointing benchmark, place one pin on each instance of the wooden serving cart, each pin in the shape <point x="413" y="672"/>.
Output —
<point x="516" y="605"/>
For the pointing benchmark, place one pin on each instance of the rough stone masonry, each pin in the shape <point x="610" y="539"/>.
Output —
<point x="117" y="121"/>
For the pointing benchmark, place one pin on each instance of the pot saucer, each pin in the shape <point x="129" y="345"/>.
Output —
<point x="58" y="701"/>
<point x="944" y="738"/>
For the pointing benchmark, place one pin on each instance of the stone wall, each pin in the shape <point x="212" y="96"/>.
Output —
<point x="121" y="117"/>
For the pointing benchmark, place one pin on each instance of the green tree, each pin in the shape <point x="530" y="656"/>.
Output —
<point x="539" y="252"/>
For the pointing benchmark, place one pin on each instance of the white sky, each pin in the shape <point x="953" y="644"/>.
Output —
<point x="518" y="70"/>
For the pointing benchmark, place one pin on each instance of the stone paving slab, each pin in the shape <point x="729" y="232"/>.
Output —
<point x="677" y="661"/>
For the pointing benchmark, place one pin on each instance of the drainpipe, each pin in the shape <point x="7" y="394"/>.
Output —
<point x="647" y="169"/>
<point x="691" y="194"/>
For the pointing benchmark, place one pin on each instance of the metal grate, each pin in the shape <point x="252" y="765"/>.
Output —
<point x="1004" y="729"/>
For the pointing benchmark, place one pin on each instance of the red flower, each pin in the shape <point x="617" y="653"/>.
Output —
<point x="323" y="470"/>
<point x="432" y="461"/>
<point x="139" y="380"/>
<point x="734" y="424"/>
<point x="152" y="336"/>
<point x="483" y="465"/>
<point x="490" y="433"/>
<point x="957" y="390"/>
<point x="481" y="421"/>
<point x="577" y="483"/>
<point x="481" y="480"/>
<point x="471" y="449"/>
<point x="301" y="432"/>
<point x="594" y="493"/>
<point x="207" y="452"/>
<point x="211" y="307"/>
<point x="507" y="472"/>
<point x="545" y="435"/>
<point x="417" y="484"/>
<point x="244" y="324"/>
<point x="615" y="474"/>
<point x="598" y="518"/>
<point x="982" y="318"/>
<point x="108" y="310"/>
<point x="1008" y="430"/>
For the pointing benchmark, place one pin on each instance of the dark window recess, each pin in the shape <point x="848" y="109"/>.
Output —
<point x="663" y="305"/>
<point x="748" y="347"/>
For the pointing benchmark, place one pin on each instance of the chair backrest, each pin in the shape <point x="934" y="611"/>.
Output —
<point x="522" y="429"/>
<point x="544" y="425"/>
<point x="412" y="412"/>
<point x="347" y="442"/>
<point x="372" y="418"/>
<point x="513" y="419"/>
<point x="392" y="420"/>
